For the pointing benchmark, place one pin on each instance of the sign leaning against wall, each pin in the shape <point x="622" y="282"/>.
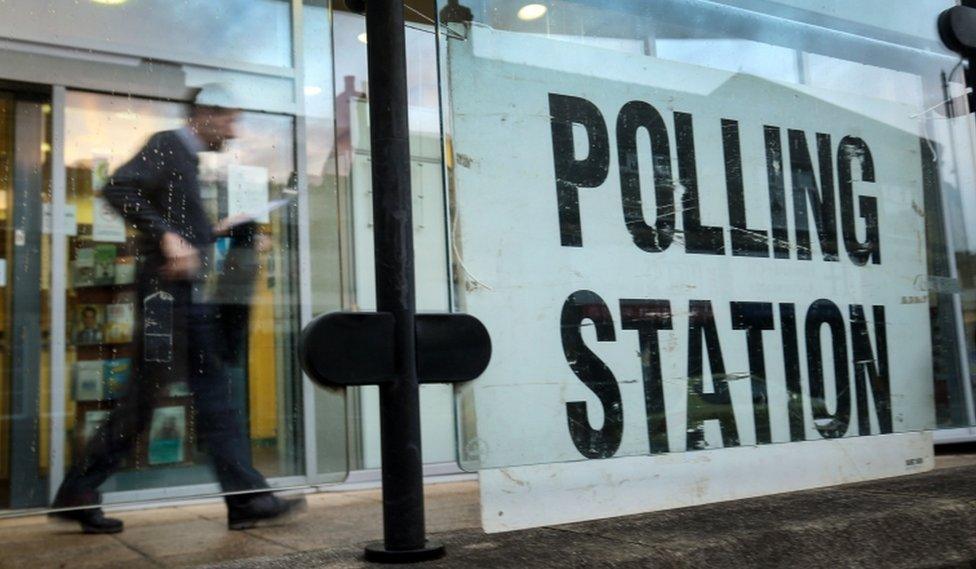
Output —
<point x="673" y="258"/>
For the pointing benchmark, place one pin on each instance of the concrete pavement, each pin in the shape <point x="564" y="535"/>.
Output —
<point x="189" y="536"/>
<point x="927" y="520"/>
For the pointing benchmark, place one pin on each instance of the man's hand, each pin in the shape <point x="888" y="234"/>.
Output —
<point x="182" y="259"/>
<point x="226" y="224"/>
<point x="262" y="243"/>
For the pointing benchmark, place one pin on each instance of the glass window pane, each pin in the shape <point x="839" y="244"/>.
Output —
<point x="133" y="331"/>
<point x="243" y="31"/>
<point x="25" y="292"/>
<point x="354" y="167"/>
<point x="326" y="267"/>
<point x="624" y="172"/>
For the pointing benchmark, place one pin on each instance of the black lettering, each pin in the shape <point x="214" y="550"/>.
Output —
<point x="871" y="372"/>
<point x="830" y="425"/>
<point x="647" y="317"/>
<point x="754" y="317"/>
<point x="777" y="192"/>
<point x="633" y="116"/>
<point x="821" y="199"/>
<point x="746" y="242"/>
<point x="851" y="149"/>
<point x="704" y="406"/>
<point x="572" y="174"/>
<point x="791" y="364"/>
<point x="699" y="238"/>
<point x="592" y="443"/>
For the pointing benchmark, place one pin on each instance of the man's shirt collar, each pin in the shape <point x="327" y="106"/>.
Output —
<point x="191" y="140"/>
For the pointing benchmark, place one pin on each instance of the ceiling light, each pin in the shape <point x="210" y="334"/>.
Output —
<point x="362" y="37"/>
<point x="312" y="90"/>
<point x="110" y="2"/>
<point x="532" y="12"/>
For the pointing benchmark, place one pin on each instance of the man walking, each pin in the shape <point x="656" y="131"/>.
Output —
<point x="177" y="331"/>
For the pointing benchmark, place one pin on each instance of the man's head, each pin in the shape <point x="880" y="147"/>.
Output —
<point x="214" y="125"/>
<point x="213" y="116"/>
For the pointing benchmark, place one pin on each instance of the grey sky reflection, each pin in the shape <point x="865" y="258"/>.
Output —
<point x="250" y="31"/>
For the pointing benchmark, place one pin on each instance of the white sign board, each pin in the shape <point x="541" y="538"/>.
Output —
<point x="674" y="258"/>
<point x="247" y="191"/>
<point x="107" y="224"/>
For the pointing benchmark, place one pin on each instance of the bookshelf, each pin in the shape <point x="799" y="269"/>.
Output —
<point x="102" y="307"/>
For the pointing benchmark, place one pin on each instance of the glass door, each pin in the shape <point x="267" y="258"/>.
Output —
<point x="253" y="291"/>
<point x="429" y="215"/>
<point x="24" y="294"/>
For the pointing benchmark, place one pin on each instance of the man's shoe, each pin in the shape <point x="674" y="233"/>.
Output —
<point x="261" y="509"/>
<point x="92" y="520"/>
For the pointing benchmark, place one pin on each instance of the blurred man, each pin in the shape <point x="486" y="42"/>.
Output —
<point x="177" y="334"/>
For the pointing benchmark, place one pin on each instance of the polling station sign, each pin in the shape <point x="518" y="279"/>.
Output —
<point x="674" y="258"/>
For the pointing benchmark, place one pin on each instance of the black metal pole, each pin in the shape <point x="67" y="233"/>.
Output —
<point x="403" y="492"/>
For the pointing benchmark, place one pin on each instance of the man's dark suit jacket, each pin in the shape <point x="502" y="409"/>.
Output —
<point x="158" y="191"/>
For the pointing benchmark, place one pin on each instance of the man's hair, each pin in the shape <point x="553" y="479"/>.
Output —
<point x="213" y="97"/>
<point x="89" y="310"/>
<point x="203" y="110"/>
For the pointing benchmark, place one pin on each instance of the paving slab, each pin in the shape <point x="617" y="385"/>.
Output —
<point x="72" y="550"/>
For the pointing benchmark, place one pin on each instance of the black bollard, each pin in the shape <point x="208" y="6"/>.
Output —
<point x="403" y="491"/>
<point x="394" y="348"/>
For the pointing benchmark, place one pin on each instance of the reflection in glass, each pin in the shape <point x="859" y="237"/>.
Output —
<point x="429" y="214"/>
<point x="181" y="328"/>
<point x="835" y="59"/>
<point x="25" y="286"/>
<point x="239" y="31"/>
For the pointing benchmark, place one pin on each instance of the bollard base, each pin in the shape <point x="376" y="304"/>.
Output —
<point x="377" y="552"/>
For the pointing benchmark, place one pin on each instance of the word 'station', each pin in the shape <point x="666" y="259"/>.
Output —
<point x="812" y="204"/>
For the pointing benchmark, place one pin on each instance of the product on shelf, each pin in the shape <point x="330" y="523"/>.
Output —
<point x="105" y="264"/>
<point x="117" y="373"/>
<point x="167" y="435"/>
<point x="92" y="421"/>
<point x="125" y="270"/>
<point x="119" y="322"/>
<point x="83" y="272"/>
<point x="89" y="377"/>
<point x="89" y="321"/>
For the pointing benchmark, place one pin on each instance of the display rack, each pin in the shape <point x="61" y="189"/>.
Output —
<point x="101" y="312"/>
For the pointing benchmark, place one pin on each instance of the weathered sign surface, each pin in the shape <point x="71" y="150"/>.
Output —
<point x="673" y="258"/>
